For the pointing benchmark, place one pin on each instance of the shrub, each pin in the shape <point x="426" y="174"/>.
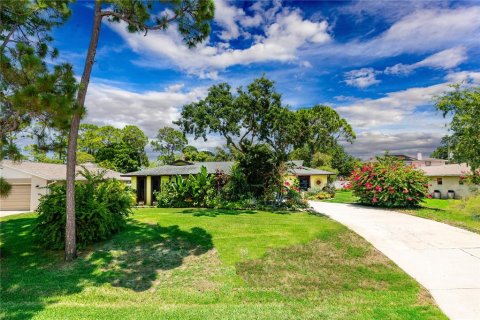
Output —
<point x="322" y="195"/>
<point x="236" y="188"/>
<point x="292" y="198"/>
<point x="5" y="188"/>
<point x="196" y="191"/>
<point x="101" y="209"/>
<point x="389" y="182"/>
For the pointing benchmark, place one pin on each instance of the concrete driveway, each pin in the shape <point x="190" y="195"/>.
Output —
<point x="10" y="213"/>
<point x="444" y="259"/>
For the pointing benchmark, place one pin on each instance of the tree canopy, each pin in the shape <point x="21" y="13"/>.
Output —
<point x="113" y="148"/>
<point x="31" y="92"/>
<point x="252" y="115"/>
<point x="463" y="105"/>
<point x="168" y="143"/>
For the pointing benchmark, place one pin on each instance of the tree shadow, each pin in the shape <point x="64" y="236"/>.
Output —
<point x="200" y="212"/>
<point x="32" y="277"/>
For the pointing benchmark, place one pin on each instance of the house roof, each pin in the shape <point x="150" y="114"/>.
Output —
<point x="185" y="168"/>
<point x="306" y="171"/>
<point x="54" y="171"/>
<point x="454" y="170"/>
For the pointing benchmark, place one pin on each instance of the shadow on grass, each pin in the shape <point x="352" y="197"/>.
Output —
<point x="32" y="277"/>
<point x="199" y="212"/>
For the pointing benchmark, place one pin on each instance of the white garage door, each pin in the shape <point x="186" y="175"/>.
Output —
<point x="19" y="199"/>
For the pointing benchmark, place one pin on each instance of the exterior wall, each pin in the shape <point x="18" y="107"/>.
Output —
<point x="314" y="179"/>
<point x="133" y="183"/>
<point x="38" y="188"/>
<point x="148" y="200"/>
<point x="323" y="178"/>
<point x="448" y="183"/>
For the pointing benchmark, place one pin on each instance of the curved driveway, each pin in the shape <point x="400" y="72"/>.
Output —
<point x="444" y="259"/>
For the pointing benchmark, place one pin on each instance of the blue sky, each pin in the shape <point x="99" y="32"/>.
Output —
<point x="379" y="64"/>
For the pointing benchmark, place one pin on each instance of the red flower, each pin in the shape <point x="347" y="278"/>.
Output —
<point x="378" y="188"/>
<point x="287" y="183"/>
<point x="409" y="198"/>
<point x="374" y="200"/>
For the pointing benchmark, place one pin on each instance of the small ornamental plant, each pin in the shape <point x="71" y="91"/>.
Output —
<point x="389" y="182"/>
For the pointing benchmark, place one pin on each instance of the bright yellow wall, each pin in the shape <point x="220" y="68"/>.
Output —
<point x="318" y="177"/>
<point x="133" y="183"/>
<point x="323" y="178"/>
<point x="149" y="191"/>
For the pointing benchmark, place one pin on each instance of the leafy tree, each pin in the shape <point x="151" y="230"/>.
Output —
<point x="261" y="169"/>
<point x="83" y="157"/>
<point x="222" y="154"/>
<point x="321" y="129"/>
<point x="169" y="142"/>
<point x="343" y="162"/>
<point x="112" y="148"/>
<point x="254" y="114"/>
<point x="443" y="151"/>
<point x="120" y="157"/>
<point x="463" y="104"/>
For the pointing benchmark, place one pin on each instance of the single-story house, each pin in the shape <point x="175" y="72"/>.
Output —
<point x="448" y="177"/>
<point x="30" y="179"/>
<point x="148" y="181"/>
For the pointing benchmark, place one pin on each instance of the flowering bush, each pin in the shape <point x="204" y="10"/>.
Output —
<point x="292" y="198"/>
<point x="389" y="182"/>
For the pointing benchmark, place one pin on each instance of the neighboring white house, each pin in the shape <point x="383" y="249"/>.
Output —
<point x="448" y="177"/>
<point x="30" y="179"/>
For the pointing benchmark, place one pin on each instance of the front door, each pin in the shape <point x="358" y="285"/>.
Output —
<point x="141" y="188"/>
<point x="155" y="187"/>
<point x="304" y="182"/>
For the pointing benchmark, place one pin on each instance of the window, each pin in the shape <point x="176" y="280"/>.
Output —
<point x="428" y="163"/>
<point x="439" y="181"/>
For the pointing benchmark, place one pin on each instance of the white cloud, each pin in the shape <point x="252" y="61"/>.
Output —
<point x="281" y="39"/>
<point x="227" y="16"/>
<point x="472" y="77"/>
<point x="423" y="31"/>
<point x="361" y="78"/>
<point x="391" y="109"/>
<point x="369" y="144"/>
<point x="151" y="110"/>
<point x="446" y="59"/>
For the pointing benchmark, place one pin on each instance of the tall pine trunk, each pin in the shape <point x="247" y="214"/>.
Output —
<point x="70" y="229"/>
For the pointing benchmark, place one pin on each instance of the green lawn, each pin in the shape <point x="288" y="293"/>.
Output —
<point x="446" y="211"/>
<point x="209" y="264"/>
<point x="343" y="196"/>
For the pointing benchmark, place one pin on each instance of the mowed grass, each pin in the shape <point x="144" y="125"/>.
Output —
<point x="209" y="264"/>
<point x="343" y="196"/>
<point x="448" y="211"/>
